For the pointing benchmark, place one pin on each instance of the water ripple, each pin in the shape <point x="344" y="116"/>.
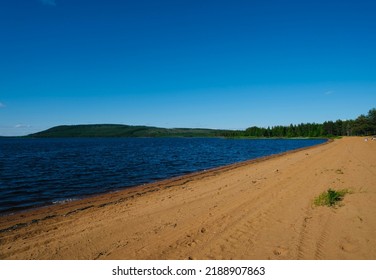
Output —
<point x="37" y="172"/>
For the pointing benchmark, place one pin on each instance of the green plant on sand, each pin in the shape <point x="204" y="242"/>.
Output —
<point x="330" y="197"/>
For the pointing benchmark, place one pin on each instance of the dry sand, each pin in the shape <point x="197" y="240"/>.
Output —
<point x="256" y="210"/>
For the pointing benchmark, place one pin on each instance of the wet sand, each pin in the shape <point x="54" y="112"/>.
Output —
<point x="260" y="209"/>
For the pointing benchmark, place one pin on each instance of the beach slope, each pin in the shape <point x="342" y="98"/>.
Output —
<point x="261" y="209"/>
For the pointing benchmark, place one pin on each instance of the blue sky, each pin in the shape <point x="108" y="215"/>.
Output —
<point x="214" y="64"/>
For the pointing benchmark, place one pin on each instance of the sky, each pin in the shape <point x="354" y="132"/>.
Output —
<point x="227" y="64"/>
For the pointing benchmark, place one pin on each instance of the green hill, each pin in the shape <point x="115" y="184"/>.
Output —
<point x="364" y="125"/>
<point x="117" y="130"/>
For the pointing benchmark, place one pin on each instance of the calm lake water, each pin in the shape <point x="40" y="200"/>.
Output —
<point x="38" y="172"/>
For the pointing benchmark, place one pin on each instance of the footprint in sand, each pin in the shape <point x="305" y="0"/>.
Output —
<point x="349" y="245"/>
<point x="280" y="251"/>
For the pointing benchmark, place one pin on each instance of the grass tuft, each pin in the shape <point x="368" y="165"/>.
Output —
<point x="330" y="197"/>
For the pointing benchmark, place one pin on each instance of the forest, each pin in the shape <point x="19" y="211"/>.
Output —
<point x="364" y="125"/>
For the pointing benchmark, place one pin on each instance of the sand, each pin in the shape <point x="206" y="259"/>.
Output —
<point x="260" y="209"/>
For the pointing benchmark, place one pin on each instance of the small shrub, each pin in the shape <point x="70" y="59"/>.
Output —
<point x="330" y="197"/>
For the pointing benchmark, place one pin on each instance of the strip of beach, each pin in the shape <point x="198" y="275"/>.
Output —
<point x="261" y="209"/>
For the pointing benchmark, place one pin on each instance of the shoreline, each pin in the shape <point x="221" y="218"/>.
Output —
<point x="152" y="185"/>
<point x="224" y="167"/>
<point x="258" y="209"/>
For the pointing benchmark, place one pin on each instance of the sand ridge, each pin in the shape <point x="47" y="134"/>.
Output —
<point x="256" y="210"/>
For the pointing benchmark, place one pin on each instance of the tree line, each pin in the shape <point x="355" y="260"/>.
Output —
<point x="364" y="125"/>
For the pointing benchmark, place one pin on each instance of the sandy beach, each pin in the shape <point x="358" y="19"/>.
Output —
<point x="260" y="209"/>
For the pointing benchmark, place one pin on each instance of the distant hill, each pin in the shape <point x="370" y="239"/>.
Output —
<point x="118" y="130"/>
<point x="364" y="125"/>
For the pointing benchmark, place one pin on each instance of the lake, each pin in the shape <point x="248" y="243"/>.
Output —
<point x="39" y="172"/>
